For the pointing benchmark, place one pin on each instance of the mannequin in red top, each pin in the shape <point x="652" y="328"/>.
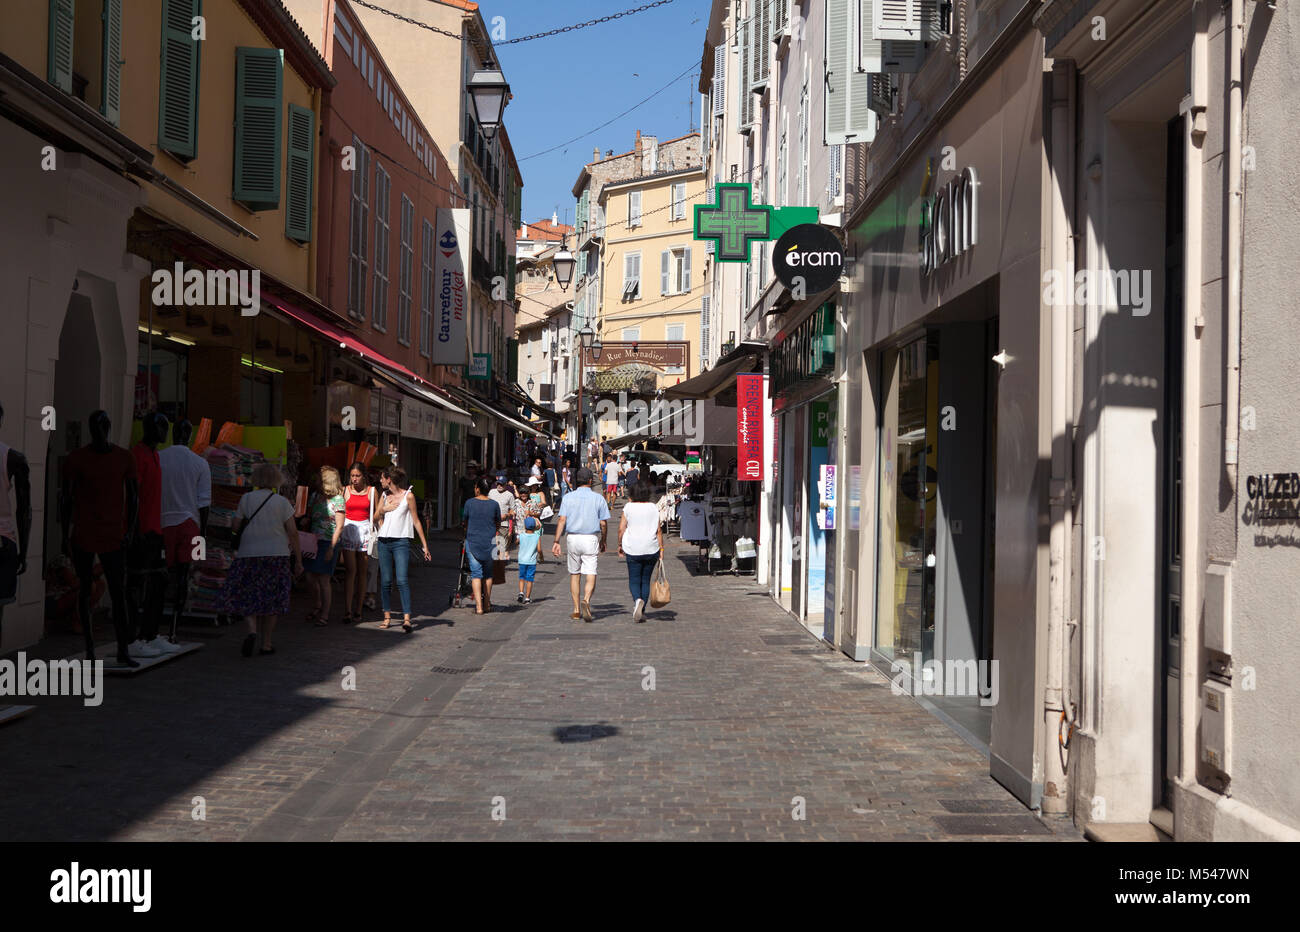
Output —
<point x="97" y="510"/>
<point x="146" y="561"/>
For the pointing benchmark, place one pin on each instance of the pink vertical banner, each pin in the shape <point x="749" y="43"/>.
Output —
<point x="749" y="427"/>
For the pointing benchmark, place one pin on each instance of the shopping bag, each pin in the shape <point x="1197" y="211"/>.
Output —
<point x="498" y="572"/>
<point x="660" y="594"/>
<point x="547" y="513"/>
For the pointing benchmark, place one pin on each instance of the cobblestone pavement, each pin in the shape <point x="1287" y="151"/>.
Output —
<point x="521" y="725"/>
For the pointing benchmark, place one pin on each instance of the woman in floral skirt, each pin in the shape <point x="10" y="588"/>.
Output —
<point x="257" y="585"/>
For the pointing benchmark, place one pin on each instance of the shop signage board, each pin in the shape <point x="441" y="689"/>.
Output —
<point x="735" y="223"/>
<point x="481" y="366"/>
<point x="749" y="427"/>
<point x="451" y="287"/>
<point x="810" y="252"/>
<point x="826" y="497"/>
<point x="808" y="352"/>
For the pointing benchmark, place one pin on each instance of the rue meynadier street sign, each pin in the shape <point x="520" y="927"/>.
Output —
<point x="734" y="222"/>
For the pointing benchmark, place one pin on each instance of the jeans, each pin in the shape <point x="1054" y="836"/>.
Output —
<point x="394" y="555"/>
<point x="640" y="568"/>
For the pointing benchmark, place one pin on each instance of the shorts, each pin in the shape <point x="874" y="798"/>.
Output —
<point x="611" y="488"/>
<point x="527" y="572"/>
<point x="582" y="550"/>
<point x="8" y="571"/>
<point x="178" y="542"/>
<point x="146" y="554"/>
<point x="480" y="569"/>
<point x="318" y="564"/>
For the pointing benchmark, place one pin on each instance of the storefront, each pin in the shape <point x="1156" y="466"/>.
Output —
<point x="938" y="432"/>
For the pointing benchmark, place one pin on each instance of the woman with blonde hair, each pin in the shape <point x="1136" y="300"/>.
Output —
<point x="326" y="509"/>
<point x="358" y="527"/>
<point x="257" y="585"/>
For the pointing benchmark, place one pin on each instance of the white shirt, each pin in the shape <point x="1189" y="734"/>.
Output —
<point x="642" y="534"/>
<point x="265" y="535"/>
<point x="397" y="523"/>
<point x="611" y="473"/>
<point x="504" y="498"/>
<point x="186" y="485"/>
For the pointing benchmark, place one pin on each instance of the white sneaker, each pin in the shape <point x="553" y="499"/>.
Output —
<point x="638" y="611"/>
<point x="166" y="646"/>
<point x="143" y="649"/>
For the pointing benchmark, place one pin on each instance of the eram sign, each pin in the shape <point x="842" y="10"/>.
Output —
<point x="811" y="252"/>
<point x="950" y="222"/>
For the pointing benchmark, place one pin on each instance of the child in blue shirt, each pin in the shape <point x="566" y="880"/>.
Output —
<point x="530" y="539"/>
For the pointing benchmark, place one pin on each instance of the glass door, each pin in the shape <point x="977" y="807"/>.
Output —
<point x="908" y="499"/>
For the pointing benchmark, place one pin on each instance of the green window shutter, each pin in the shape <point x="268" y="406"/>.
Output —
<point x="178" y="80"/>
<point x="62" y="14"/>
<point x="299" y="173"/>
<point x="111" y="55"/>
<point x="259" y="89"/>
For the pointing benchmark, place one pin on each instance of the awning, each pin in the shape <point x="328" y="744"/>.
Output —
<point x="694" y="423"/>
<point x="483" y="407"/>
<point x="391" y="369"/>
<point x="716" y="380"/>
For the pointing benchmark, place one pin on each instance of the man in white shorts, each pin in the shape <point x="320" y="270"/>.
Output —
<point x="584" y="519"/>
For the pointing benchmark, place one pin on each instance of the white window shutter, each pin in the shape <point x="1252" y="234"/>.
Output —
<point x="665" y="260"/>
<point x="911" y="20"/>
<point x="881" y="93"/>
<point x="686" y="270"/>
<point x="847" y="90"/>
<point x="719" y="80"/>
<point x="745" y="106"/>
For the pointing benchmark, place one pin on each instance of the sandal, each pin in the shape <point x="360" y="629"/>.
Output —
<point x="267" y="650"/>
<point x="406" y="626"/>
<point x="387" y="623"/>
<point x="321" y="621"/>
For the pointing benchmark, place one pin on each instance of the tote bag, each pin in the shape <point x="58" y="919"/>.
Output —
<point x="660" y="594"/>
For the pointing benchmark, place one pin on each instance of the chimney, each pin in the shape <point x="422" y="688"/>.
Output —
<point x="595" y="154"/>
<point x="555" y="219"/>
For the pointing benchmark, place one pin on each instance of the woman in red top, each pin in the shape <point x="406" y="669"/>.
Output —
<point x="358" y="528"/>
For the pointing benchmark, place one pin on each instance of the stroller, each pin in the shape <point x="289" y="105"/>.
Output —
<point x="463" y="590"/>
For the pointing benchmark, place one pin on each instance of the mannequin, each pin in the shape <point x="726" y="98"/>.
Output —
<point x="146" y="567"/>
<point x="186" y="498"/>
<point x="98" y="506"/>
<point x="15" y="519"/>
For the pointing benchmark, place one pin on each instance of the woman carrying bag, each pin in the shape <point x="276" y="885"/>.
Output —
<point x="641" y="540"/>
<point x="358" y="529"/>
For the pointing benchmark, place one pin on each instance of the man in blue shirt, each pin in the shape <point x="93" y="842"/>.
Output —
<point x="584" y="517"/>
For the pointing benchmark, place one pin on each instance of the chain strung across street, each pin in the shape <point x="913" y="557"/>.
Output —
<point x="539" y="35"/>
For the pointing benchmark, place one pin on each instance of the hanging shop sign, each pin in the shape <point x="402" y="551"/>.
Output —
<point x="808" y="352"/>
<point x="810" y="252"/>
<point x="419" y="420"/>
<point x="950" y="222"/>
<point x="826" y="495"/>
<point x="451" y="287"/>
<point x="480" y="366"/>
<point x="749" y="427"/>
<point x="734" y="222"/>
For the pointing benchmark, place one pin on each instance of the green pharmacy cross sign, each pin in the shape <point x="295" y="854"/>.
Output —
<point x="735" y="222"/>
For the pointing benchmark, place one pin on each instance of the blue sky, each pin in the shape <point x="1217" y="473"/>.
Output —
<point x="596" y="73"/>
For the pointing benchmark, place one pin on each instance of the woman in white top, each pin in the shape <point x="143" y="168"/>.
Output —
<point x="397" y="515"/>
<point x="641" y="540"/>
<point x="257" y="585"/>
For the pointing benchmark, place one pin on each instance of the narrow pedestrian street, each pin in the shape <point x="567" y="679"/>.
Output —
<point x="524" y="725"/>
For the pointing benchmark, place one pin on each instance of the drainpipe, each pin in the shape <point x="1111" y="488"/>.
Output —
<point x="1195" y="108"/>
<point x="1055" y="796"/>
<point x="1232" y="394"/>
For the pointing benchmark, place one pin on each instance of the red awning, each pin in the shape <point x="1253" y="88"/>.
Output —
<point x="342" y="339"/>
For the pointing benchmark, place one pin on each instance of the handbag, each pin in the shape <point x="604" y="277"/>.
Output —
<point x="660" y="594"/>
<point x="237" y="536"/>
<point x="547" y="513"/>
<point x="372" y="541"/>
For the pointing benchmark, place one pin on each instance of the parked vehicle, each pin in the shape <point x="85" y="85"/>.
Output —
<point x="656" y="463"/>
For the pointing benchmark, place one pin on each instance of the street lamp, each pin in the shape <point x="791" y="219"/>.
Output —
<point x="489" y="92"/>
<point x="586" y="338"/>
<point x="531" y="385"/>
<point x="563" y="263"/>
